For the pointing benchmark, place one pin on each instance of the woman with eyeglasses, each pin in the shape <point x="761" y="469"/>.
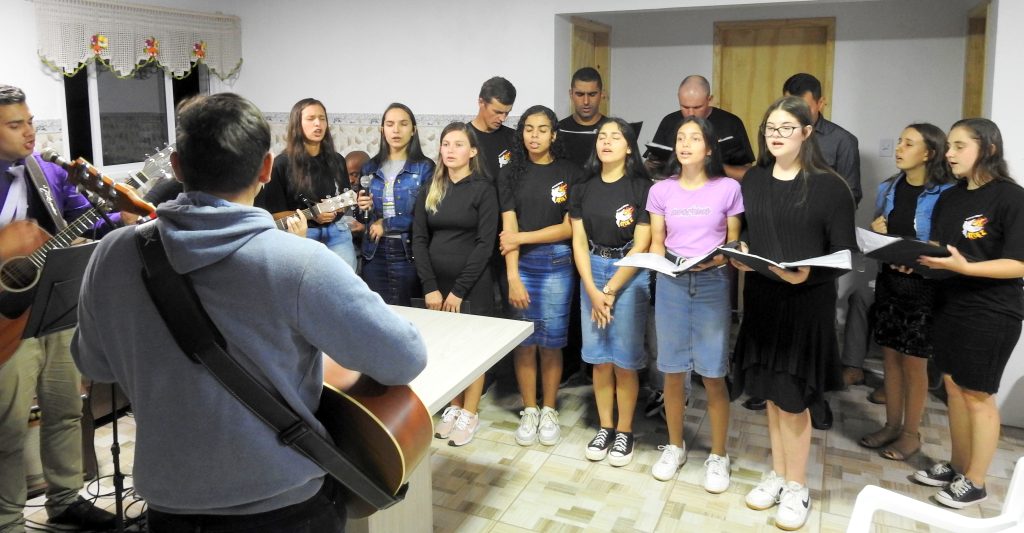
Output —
<point x="609" y="222"/>
<point x="796" y="208"/>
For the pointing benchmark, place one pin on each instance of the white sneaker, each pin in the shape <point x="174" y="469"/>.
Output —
<point x="447" y="423"/>
<point x="526" y="433"/>
<point x="465" y="427"/>
<point x="672" y="459"/>
<point x="548" y="429"/>
<point x="766" y="493"/>
<point x="716" y="474"/>
<point x="794" y="506"/>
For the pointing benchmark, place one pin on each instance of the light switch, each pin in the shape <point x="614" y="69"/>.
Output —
<point x="885" y="147"/>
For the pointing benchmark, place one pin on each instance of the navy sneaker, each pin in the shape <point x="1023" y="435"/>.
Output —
<point x="961" y="493"/>
<point x="939" y="475"/>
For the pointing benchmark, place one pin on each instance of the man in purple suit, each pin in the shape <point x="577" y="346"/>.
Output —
<point x="41" y="367"/>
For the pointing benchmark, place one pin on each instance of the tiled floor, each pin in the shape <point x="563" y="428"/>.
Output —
<point x="494" y="485"/>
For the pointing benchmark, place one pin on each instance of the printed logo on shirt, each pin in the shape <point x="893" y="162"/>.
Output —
<point x="559" y="193"/>
<point x="624" y="216"/>
<point x="504" y="158"/>
<point x="974" y="227"/>
<point x="692" y="211"/>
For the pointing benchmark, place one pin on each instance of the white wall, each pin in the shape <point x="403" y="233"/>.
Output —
<point x="1008" y="113"/>
<point x="879" y="48"/>
<point x="20" y="65"/>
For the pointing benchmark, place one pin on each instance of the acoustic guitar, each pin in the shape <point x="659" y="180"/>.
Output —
<point x="329" y="205"/>
<point x="385" y="431"/>
<point x="20" y="274"/>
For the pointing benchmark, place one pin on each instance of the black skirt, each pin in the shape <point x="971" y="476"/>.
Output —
<point x="902" y="312"/>
<point x="787" y="350"/>
<point x="974" y="348"/>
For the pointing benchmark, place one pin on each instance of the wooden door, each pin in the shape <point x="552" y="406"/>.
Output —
<point x="753" y="59"/>
<point x="591" y="47"/>
<point x="974" y="62"/>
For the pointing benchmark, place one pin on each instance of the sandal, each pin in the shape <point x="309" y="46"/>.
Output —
<point x="877" y="396"/>
<point x="894" y="453"/>
<point x="887" y="435"/>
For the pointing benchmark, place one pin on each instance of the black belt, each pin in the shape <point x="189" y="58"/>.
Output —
<point x="609" y="253"/>
<point x="674" y="258"/>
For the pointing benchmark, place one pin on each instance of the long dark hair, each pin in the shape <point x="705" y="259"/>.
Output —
<point x="440" y="182"/>
<point x="937" y="170"/>
<point x="634" y="165"/>
<point x="413" y="152"/>
<point x="520" y="156"/>
<point x="810" y="158"/>
<point x="712" y="163"/>
<point x="990" y="165"/>
<point x="299" y="160"/>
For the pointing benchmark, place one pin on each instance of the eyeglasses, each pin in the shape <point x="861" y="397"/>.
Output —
<point x="783" y="131"/>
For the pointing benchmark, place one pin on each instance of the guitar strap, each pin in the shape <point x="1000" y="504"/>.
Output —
<point x="198" y="337"/>
<point x="39" y="180"/>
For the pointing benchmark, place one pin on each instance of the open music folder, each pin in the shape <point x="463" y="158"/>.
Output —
<point x="902" y="251"/>
<point x="842" y="260"/>
<point x="659" y="263"/>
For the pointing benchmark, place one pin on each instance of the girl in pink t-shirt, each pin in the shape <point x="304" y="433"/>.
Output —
<point x="692" y="213"/>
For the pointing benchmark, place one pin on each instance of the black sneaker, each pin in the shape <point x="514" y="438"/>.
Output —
<point x="86" y="516"/>
<point x="599" y="445"/>
<point x="961" y="493"/>
<point x="622" y="450"/>
<point x="655" y="404"/>
<point x="939" y="475"/>
<point x="755" y="404"/>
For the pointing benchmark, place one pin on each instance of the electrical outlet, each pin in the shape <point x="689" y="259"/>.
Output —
<point x="885" y="147"/>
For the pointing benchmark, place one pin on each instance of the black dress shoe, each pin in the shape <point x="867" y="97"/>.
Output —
<point x="755" y="404"/>
<point x="86" y="516"/>
<point x="821" y="416"/>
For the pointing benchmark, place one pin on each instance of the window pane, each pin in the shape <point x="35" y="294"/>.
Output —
<point x="133" y="114"/>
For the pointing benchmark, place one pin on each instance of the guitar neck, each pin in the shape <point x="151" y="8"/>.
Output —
<point x="68" y="235"/>
<point x="311" y="213"/>
<point x="137" y="181"/>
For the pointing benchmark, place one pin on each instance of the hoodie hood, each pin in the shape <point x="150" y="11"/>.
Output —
<point x="199" y="229"/>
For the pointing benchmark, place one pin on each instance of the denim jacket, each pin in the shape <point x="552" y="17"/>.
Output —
<point x="886" y="198"/>
<point x="407" y="185"/>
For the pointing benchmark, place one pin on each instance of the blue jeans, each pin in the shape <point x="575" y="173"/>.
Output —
<point x="546" y="272"/>
<point x="338" y="239"/>
<point x="391" y="272"/>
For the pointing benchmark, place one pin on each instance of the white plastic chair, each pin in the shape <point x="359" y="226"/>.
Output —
<point x="872" y="499"/>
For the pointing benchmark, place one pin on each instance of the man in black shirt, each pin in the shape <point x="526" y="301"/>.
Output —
<point x="578" y="132"/>
<point x="695" y="99"/>
<point x="497" y="95"/>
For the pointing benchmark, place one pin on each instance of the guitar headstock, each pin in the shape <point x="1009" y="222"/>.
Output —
<point x="121" y="197"/>
<point x="158" y="165"/>
<point x="336" y="203"/>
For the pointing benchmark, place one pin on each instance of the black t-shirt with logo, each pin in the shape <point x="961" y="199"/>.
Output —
<point x="983" y="224"/>
<point x="540" y="195"/>
<point x="495" y="149"/>
<point x="578" y="140"/>
<point x="610" y="210"/>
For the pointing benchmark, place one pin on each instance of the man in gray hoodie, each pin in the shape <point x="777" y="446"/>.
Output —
<point x="202" y="458"/>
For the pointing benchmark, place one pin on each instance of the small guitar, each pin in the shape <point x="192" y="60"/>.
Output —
<point x="385" y="431"/>
<point x="19" y="274"/>
<point x="329" y="205"/>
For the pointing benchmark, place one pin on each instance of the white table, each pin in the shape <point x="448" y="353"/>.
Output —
<point x="459" y="349"/>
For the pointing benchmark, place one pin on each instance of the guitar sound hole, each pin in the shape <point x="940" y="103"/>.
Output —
<point x="18" y="274"/>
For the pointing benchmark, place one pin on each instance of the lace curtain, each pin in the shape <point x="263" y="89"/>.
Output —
<point x="123" y="36"/>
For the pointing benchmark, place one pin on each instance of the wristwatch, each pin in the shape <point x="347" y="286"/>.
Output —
<point x="608" y="290"/>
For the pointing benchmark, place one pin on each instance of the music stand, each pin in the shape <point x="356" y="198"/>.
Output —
<point x="55" y="308"/>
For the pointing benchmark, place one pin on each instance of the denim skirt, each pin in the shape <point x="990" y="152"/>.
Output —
<point x="691" y="316"/>
<point x="622" y="341"/>
<point x="546" y="271"/>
